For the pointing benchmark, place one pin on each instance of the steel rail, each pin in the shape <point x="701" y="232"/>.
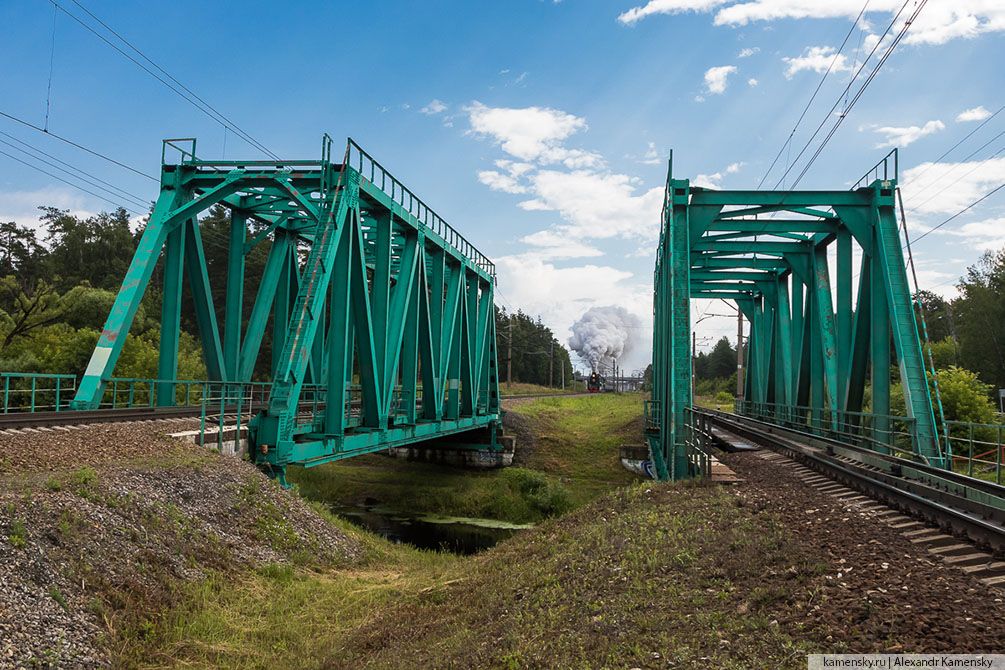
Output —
<point x="965" y="505"/>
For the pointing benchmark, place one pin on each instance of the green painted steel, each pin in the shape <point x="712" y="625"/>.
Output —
<point x="811" y="345"/>
<point x="389" y="318"/>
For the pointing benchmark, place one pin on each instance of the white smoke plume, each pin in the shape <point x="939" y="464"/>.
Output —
<point x="603" y="333"/>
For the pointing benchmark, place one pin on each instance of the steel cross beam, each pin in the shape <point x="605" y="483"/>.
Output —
<point x="385" y="330"/>
<point x="811" y="346"/>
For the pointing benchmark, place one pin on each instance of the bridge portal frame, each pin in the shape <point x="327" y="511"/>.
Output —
<point x="810" y="345"/>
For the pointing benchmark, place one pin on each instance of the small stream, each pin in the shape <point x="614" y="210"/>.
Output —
<point x="460" y="535"/>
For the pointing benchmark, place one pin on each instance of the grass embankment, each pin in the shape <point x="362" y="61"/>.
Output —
<point x="568" y="454"/>
<point x="519" y="388"/>
<point x="646" y="576"/>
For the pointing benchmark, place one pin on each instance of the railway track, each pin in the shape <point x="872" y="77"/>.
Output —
<point x="20" y="420"/>
<point x="955" y="507"/>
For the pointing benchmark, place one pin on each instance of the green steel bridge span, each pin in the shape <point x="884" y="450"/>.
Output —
<point x="383" y="327"/>
<point x="817" y="341"/>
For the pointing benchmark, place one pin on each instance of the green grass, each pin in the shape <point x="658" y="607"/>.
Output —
<point x="520" y="388"/>
<point x="644" y="575"/>
<point x="573" y="459"/>
<point x="578" y="438"/>
<point x="512" y="494"/>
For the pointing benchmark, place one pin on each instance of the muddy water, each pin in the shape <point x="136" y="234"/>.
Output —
<point x="460" y="535"/>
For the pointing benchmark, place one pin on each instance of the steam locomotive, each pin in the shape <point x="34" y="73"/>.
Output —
<point x="594" y="383"/>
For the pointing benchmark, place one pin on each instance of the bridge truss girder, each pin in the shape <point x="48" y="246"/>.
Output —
<point x="812" y="343"/>
<point x="390" y="316"/>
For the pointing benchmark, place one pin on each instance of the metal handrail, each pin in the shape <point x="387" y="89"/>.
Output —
<point x="422" y="213"/>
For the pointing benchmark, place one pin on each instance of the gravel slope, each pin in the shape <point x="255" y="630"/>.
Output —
<point x="99" y="527"/>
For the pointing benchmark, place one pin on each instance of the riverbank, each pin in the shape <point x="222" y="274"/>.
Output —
<point x="567" y="454"/>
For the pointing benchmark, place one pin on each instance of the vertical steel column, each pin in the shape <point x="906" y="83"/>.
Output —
<point x="167" y="354"/>
<point x="235" y="295"/>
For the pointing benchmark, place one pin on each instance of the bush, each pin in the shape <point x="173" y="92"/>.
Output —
<point x="724" y="398"/>
<point x="548" y="497"/>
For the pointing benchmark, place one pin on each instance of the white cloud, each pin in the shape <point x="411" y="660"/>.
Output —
<point x="652" y="156"/>
<point x="707" y="180"/>
<point x="558" y="244"/>
<point x="734" y="167"/>
<point x="434" y="107"/>
<point x="532" y="133"/>
<point x="976" y="114"/>
<point x="21" y="207"/>
<point x="746" y="53"/>
<point x="716" y="78"/>
<point x="751" y="82"/>
<point x="938" y="23"/>
<point x="597" y="205"/>
<point x="817" y="59"/>
<point x="986" y="235"/>
<point x="903" y="136"/>
<point x="636" y="14"/>
<point x="699" y="98"/>
<point x="500" y="182"/>
<point x="562" y="294"/>
<point x="946" y="188"/>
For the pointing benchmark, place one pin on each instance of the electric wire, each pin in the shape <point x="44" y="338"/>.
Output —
<point x="111" y="188"/>
<point x="191" y="98"/>
<point x="858" y="94"/>
<point x="952" y="148"/>
<point x="52" y="60"/>
<point x="76" y="186"/>
<point x="78" y="146"/>
<point x="814" y="96"/>
<point x="958" y="179"/>
<point x="850" y="83"/>
<point x="965" y="209"/>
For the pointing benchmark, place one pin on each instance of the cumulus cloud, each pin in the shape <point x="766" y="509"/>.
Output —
<point x="652" y="156"/>
<point x="746" y="53"/>
<point x="716" y="78"/>
<point x="817" y="59"/>
<point x="946" y="188"/>
<point x="939" y="23"/>
<point x="707" y="180"/>
<point x="976" y="114"/>
<point x="986" y="235"/>
<point x="558" y="244"/>
<point x="434" y="107"/>
<point x="903" y="136"/>
<point x="734" y="167"/>
<point x="751" y="82"/>
<point x="532" y="133"/>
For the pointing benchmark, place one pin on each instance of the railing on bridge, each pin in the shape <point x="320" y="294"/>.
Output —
<point x="697" y="443"/>
<point x="36" y="392"/>
<point x="975" y="449"/>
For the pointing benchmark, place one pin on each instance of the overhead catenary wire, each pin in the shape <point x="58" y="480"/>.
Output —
<point x="960" y="178"/>
<point x="953" y="148"/>
<point x="184" y="92"/>
<point x="813" y="97"/>
<point x="74" y="171"/>
<point x="76" y="186"/>
<point x="861" y="90"/>
<point x="78" y="146"/>
<point x="962" y="211"/>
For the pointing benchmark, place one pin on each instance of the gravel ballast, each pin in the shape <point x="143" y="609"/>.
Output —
<point x="101" y="525"/>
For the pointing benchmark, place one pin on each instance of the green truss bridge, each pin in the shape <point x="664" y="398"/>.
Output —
<point x="789" y="261"/>
<point x="382" y="314"/>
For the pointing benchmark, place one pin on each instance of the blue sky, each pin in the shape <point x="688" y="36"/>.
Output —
<point x="539" y="129"/>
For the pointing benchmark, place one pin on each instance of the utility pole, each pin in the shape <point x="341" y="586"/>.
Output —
<point x="551" y="364"/>
<point x="509" y="356"/>
<point x="739" y="354"/>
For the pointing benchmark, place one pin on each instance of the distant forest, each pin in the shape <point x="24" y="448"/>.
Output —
<point x="58" y="284"/>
